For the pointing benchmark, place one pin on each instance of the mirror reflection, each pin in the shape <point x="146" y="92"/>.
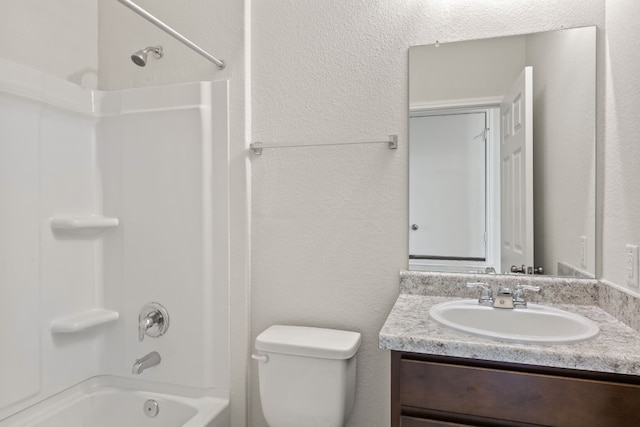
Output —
<point x="502" y="154"/>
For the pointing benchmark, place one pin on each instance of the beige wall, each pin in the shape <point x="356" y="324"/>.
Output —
<point x="58" y="37"/>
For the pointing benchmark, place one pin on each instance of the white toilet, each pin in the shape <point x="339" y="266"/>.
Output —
<point x="307" y="375"/>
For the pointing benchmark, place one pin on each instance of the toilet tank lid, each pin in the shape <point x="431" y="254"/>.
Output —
<point x="309" y="341"/>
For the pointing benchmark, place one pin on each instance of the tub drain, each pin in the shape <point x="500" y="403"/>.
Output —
<point x="150" y="408"/>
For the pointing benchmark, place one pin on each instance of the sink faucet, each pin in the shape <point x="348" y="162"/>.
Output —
<point x="518" y="294"/>
<point x="486" y="294"/>
<point x="145" y="362"/>
<point x="506" y="298"/>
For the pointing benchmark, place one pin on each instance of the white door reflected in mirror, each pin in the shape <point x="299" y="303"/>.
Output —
<point x="516" y="172"/>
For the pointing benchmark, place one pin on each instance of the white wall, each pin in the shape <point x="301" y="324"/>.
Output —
<point x="473" y="66"/>
<point x="330" y="224"/>
<point x="564" y="132"/>
<point x="58" y="37"/>
<point x="619" y="158"/>
<point x="219" y="27"/>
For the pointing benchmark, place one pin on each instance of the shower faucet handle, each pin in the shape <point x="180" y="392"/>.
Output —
<point x="153" y="320"/>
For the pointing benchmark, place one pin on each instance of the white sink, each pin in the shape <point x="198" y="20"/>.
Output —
<point x="535" y="324"/>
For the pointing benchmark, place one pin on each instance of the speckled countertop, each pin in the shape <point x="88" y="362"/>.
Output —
<point x="410" y="328"/>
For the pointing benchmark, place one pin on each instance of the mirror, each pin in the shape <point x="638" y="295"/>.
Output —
<point x="502" y="154"/>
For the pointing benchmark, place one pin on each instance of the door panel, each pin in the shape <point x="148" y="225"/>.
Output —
<point x="516" y="152"/>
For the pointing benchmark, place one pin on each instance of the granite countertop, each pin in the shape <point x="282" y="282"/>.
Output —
<point x="410" y="328"/>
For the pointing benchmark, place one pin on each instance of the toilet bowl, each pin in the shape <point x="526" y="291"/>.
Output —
<point x="306" y="375"/>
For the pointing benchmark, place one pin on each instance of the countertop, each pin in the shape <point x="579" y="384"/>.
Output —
<point x="409" y="328"/>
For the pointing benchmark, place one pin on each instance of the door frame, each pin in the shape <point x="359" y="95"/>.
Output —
<point x="490" y="106"/>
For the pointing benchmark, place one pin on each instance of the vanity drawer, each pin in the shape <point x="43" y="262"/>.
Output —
<point x="516" y="396"/>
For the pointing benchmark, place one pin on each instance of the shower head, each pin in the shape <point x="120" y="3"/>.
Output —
<point x="140" y="57"/>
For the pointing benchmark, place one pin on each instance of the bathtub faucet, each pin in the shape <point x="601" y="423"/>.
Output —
<point x="150" y="360"/>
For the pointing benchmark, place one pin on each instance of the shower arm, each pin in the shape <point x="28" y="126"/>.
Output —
<point x="167" y="29"/>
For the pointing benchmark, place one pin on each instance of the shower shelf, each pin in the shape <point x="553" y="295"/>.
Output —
<point x="83" y="320"/>
<point x="82" y="222"/>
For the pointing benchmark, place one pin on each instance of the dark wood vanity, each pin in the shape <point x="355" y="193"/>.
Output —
<point x="438" y="391"/>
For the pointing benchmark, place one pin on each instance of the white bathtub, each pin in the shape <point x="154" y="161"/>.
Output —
<point x="107" y="401"/>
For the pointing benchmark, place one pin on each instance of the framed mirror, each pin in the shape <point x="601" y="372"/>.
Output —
<point x="502" y="154"/>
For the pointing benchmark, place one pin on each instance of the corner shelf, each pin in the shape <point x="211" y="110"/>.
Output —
<point x="83" y="320"/>
<point x="82" y="222"/>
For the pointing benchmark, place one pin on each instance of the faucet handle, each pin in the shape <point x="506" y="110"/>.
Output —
<point x="486" y="294"/>
<point x="518" y="294"/>
<point x="153" y="320"/>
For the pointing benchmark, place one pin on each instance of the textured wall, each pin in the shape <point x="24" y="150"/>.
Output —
<point x="620" y="156"/>
<point x="57" y="37"/>
<point x="330" y="224"/>
<point x="219" y="27"/>
<point x="477" y="69"/>
<point x="564" y="76"/>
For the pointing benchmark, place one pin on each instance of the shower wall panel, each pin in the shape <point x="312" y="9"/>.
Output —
<point x="47" y="169"/>
<point x="19" y="249"/>
<point x="160" y="159"/>
<point x="157" y="160"/>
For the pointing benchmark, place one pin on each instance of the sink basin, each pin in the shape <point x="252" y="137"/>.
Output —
<point x="535" y="324"/>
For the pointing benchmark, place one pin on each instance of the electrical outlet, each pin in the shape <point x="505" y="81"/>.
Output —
<point x="583" y="251"/>
<point x="631" y="258"/>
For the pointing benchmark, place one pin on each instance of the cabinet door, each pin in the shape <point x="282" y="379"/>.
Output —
<point x="517" y="397"/>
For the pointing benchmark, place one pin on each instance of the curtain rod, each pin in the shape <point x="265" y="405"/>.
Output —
<point x="167" y="29"/>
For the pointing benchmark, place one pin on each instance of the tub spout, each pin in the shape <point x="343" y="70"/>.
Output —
<point x="145" y="362"/>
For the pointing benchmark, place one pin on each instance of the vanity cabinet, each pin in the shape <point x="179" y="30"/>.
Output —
<point x="439" y="391"/>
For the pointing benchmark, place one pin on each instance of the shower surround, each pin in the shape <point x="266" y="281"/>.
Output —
<point x="111" y="200"/>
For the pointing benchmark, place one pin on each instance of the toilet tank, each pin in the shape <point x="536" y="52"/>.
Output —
<point x="307" y="378"/>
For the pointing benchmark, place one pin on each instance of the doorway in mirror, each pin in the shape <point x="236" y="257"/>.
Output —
<point x="454" y="209"/>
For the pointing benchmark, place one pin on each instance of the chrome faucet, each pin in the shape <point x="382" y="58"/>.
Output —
<point x="486" y="294"/>
<point x="504" y="297"/>
<point x="153" y="320"/>
<point x="518" y="294"/>
<point x="145" y="362"/>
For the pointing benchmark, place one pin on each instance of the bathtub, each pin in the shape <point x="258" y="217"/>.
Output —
<point x="107" y="401"/>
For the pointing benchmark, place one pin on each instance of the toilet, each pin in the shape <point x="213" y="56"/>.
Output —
<point x="307" y="375"/>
